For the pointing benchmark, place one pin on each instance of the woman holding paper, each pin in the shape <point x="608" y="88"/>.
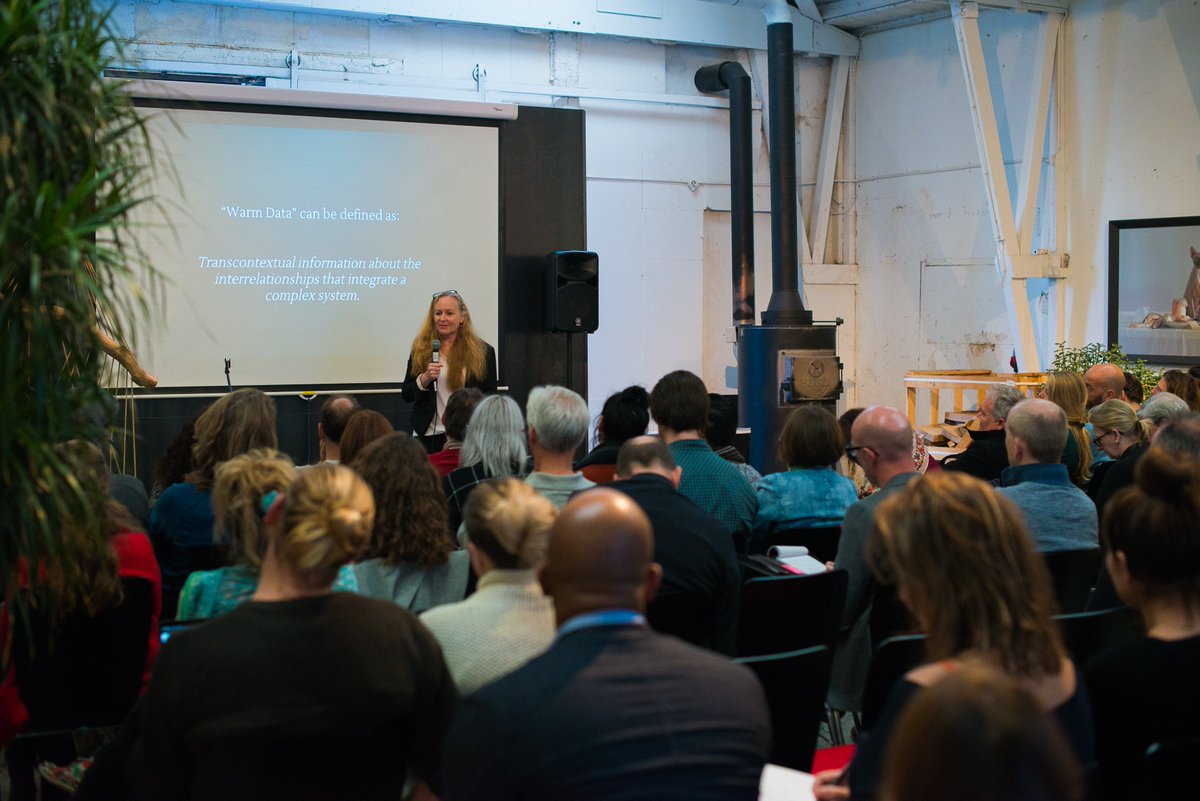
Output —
<point x="446" y="355"/>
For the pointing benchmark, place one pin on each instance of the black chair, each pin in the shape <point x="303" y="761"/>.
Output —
<point x="821" y="541"/>
<point x="1074" y="574"/>
<point x="795" y="684"/>
<point x="790" y="612"/>
<point x="684" y="615"/>
<point x="1169" y="770"/>
<point x="892" y="659"/>
<point x="1088" y="633"/>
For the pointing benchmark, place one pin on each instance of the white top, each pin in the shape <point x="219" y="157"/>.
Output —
<point x="507" y="622"/>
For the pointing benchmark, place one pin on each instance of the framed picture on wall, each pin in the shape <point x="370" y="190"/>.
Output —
<point x="1154" y="289"/>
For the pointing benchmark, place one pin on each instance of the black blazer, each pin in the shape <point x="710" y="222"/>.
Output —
<point x="425" y="401"/>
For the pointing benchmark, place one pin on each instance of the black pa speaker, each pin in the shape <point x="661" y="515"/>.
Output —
<point x="573" y="291"/>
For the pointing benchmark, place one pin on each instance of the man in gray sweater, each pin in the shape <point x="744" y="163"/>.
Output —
<point x="1060" y="516"/>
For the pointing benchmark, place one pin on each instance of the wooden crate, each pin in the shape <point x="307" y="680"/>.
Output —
<point x="959" y="382"/>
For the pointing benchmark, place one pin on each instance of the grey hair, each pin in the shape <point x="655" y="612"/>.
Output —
<point x="559" y="416"/>
<point x="495" y="437"/>
<point x="1042" y="425"/>
<point x="1160" y="408"/>
<point x="1004" y="397"/>
<point x="1180" y="435"/>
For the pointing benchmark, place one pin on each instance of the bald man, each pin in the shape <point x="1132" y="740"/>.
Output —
<point x="613" y="710"/>
<point x="1103" y="382"/>
<point x="881" y="442"/>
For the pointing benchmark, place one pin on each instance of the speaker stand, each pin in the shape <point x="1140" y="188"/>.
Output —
<point x="570" y="372"/>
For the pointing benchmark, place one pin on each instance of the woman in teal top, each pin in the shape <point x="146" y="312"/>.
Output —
<point x="810" y="494"/>
<point x="243" y="488"/>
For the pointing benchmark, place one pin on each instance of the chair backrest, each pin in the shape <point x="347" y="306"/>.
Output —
<point x="685" y="615"/>
<point x="81" y="670"/>
<point x="821" y="541"/>
<point x="893" y="658"/>
<point x="1074" y="574"/>
<point x="1086" y="634"/>
<point x="787" y="613"/>
<point x="1169" y="770"/>
<point x="795" y="684"/>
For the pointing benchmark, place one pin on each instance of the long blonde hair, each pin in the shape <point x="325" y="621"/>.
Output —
<point x="239" y="486"/>
<point x="968" y="570"/>
<point x="327" y="517"/>
<point x="1065" y="388"/>
<point x="466" y="359"/>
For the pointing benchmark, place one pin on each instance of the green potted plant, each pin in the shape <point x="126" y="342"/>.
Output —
<point x="74" y="160"/>
<point x="1080" y="359"/>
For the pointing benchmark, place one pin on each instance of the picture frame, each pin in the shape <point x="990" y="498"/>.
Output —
<point x="1153" y="263"/>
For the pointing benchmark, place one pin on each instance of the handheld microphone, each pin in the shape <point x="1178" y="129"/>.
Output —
<point x="437" y="357"/>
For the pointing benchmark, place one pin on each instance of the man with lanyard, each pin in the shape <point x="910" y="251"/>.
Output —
<point x="613" y="709"/>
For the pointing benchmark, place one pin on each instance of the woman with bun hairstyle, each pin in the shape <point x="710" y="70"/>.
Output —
<point x="301" y="692"/>
<point x="1118" y="432"/>
<point x="626" y="414"/>
<point x="1065" y="389"/>
<point x="461" y="360"/>
<point x="411" y="558"/>
<point x="508" y="620"/>
<point x="1145" y="691"/>
<point x="966" y="568"/>
<point x="239" y="486"/>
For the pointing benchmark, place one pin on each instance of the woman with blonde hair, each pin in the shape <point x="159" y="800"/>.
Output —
<point x="461" y="359"/>
<point x="411" y="558"/>
<point x="966" y="568"/>
<point x="239" y="487"/>
<point x="1119" y="433"/>
<point x="278" y="697"/>
<point x="181" y="523"/>
<point x="1065" y="388"/>
<point x="508" y="620"/>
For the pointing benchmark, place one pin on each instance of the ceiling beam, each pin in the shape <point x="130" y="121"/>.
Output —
<point x="692" y="22"/>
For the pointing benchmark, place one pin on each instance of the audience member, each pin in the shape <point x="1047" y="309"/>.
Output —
<point x="364" y="427"/>
<point x="176" y="462"/>
<point x="1182" y="385"/>
<point x="1103" y="382"/>
<point x="1162" y="407"/>
<point x="1124" y="438"/>
<point x="1067" y="390"/>
<point x="1133" y="394"/>
<point x="612" y="710"/>
<point x="336" y="412"/>
<point x="1180" y="437"/>
<point x="411" y="558"/>
<point x="722" y="431"/>
<point x="968" y="571"/>
<point x="980" y="735"/>
<point x="881" y="443"/>
<point x="1145" y="691"/>
<point x="181" y="523"/>
<point x="494" y="447"/>
<point x="508" y="620"/>
<point x="626" y="414"/>
<point x="679" y="405"/>
<point x="810" y="494"/>
<point x="699" y="564"/>
<point x="80" y="631"/>
<point x="300" y="693"/>
<point x="1058" y="515"/>
<point x="986" y="457"/>
<point x="239" y="486"/>
<point x="558" y="421"/>
<point x="459" y="408"/>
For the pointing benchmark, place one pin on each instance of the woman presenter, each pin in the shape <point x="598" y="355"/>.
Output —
<point x="446" y="355"/>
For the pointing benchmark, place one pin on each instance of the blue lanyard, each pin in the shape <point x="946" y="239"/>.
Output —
<point x="605" y="617"/>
